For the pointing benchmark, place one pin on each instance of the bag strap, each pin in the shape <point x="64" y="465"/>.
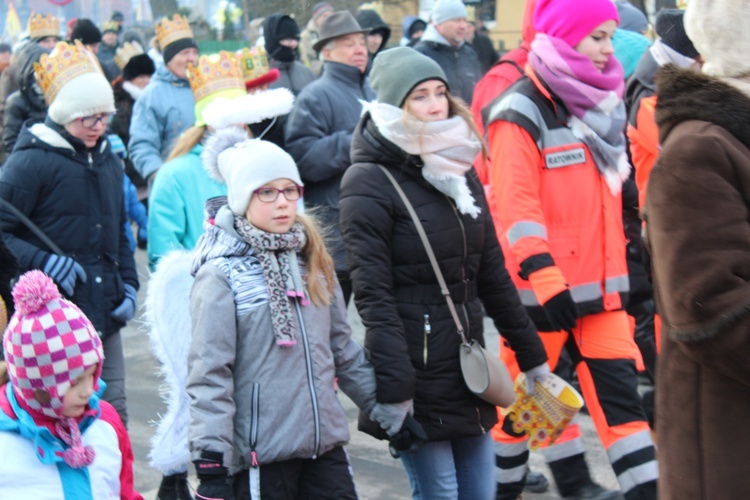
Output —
<point x="33" y="227"/>
<point x="430" y="254"/>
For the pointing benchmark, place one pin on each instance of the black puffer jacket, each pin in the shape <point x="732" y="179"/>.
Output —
<point x="75" y="196"/>
<point x="26" y="103"/>
<point x="397" y="293"/>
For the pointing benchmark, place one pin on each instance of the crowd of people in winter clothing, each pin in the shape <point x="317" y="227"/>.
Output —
<point x="586" y="191"/>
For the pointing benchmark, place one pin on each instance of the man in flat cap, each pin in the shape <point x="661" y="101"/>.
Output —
<point x="320" y="127"/>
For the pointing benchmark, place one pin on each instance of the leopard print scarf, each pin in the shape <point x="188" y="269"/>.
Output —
<point x="278" y="258"/>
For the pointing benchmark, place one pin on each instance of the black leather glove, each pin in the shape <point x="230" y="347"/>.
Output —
<point x="215" y="482"/>
<point x="561" y="311"/>
<point x="216" y="488"/>
<point x="410" y="438"/>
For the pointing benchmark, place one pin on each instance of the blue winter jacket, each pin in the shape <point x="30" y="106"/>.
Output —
<point x="175" y="209"/>
<point x="75" y="196"/>
<point x="164" y="110"/>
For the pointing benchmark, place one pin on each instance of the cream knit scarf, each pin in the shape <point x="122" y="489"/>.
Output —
<point x="447" y="148"/>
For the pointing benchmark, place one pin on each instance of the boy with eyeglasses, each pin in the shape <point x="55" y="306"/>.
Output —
<point x="64" y="178"/>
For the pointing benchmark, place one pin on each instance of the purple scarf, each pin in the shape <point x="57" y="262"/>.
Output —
<point x="594" y="100"/>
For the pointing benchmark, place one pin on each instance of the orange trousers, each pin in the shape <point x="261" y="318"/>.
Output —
<point x="597" y="340"/>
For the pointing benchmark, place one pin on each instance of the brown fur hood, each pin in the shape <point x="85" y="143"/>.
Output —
<point x="686" y="95"/>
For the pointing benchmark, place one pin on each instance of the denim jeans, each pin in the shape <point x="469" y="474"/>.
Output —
<point x="456" y="469"/>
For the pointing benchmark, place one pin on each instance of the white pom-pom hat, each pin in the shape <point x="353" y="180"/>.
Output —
<point x="245" y="165"/>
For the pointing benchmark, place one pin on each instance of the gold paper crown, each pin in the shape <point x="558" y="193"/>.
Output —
<point x="43" y="26"/>
<point x="111" y="26"/>
<point x="215" y="73"/>
<point x="124" y="54"/>
<point x="253" y="62"/>
<point x="64" y="63"/>
<point x="170" y="31"/>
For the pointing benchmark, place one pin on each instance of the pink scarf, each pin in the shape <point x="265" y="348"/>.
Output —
<point x="594" y="100"/>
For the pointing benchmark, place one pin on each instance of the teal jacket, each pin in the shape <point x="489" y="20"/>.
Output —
<point x="164" y="111"/>
<point x="175" y="207"/>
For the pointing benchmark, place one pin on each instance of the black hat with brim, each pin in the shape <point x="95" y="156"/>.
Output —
<point x="336" y="25"/>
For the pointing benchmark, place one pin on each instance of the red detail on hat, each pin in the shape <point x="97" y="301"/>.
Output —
<point x="269" y="77"/>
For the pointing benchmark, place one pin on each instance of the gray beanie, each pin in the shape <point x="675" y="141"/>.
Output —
<point x="395" y="72"/>
<point x="445" y="10"/>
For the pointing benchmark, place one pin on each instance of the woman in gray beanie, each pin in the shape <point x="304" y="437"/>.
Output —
<point x="427" y="140"/>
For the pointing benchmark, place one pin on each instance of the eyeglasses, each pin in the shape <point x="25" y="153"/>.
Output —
<point x="269" y="194"/>
<point x="93" y="121"/>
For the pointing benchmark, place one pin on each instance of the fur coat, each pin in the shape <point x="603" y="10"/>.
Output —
<point x="698" y="213"/>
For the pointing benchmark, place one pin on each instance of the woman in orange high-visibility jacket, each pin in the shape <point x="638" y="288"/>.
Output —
<point x="558" y="162"/>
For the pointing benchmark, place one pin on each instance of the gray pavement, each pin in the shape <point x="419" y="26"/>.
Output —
<point x="376" y="474"/>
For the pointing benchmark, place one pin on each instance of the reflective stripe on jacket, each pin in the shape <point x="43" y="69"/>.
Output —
<point x="553" y="206"/>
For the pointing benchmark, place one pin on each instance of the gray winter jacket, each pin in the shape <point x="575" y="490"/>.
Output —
<point x="251" y="399"/>
<point x="319" y="137"/>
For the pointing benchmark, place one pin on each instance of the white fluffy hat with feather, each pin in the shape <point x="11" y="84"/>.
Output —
<point x="251" y="108"/>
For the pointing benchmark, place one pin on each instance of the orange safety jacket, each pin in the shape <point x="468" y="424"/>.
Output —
<point x="644" y="144"/>
<point x="555" y="211"/>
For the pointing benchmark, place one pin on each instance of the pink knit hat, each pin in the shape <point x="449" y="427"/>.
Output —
<point x="572" y="20"/>
<point x="48" y="344"/>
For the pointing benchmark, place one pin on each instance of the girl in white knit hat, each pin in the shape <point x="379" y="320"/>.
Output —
<point x="270" y="339"/>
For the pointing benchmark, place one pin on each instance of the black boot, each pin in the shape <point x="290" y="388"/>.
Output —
<point x="594" y="492"/>
<point x="574" y="482"/>
<point x="174" y="487"/>
<point x="536" y="482"/>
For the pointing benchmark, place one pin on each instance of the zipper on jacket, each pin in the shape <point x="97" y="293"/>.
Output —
<point x="479" y="420"/>
<point x="310" y="383"/>
<point x="467" y="330"/>
<point x="254" y="411"/>
<point x="427" y="331"/>
<point x="91" y="161"/>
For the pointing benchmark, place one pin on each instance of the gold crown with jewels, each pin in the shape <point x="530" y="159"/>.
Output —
<point x="124" y="54"/>
<point x="215" y="73"/>
<point x="168" y="31"/>
<point x="43" y="26"/>
<point x="253" y="62"/>
<point x="111" y="26"/>
<point x="64" y="63"/>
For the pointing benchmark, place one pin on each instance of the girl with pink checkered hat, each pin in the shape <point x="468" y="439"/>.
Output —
<point x="57" y="438"/>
